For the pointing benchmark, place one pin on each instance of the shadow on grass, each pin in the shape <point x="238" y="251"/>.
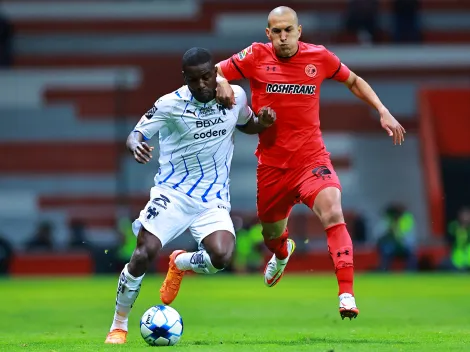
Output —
<point x="300" y="341"/>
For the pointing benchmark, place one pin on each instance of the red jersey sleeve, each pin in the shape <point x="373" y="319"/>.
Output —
<point x="240" y="65"/>
<point x="334" y="68"/>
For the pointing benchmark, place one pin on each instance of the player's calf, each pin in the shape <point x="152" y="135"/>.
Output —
<point x="341" y="252"/>
<point x="129" y="284"/>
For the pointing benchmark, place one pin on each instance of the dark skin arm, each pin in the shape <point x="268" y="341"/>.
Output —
<point x="142" y="151"/>
<point x="265" y="119"/>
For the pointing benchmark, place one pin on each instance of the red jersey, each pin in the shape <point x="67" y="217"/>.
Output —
<point x="291" y="87"/>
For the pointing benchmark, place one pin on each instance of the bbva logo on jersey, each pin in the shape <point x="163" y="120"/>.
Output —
<point x="208" y="123"/>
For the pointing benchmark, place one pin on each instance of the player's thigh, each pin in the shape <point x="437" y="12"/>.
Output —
<point x="166" y="215"/>
<point x="275" y="196"/>
<point x="315" y="178"/>
<point x="214" y="226"/>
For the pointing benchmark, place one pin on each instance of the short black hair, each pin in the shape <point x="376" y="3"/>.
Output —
<point x="196" y="56"/>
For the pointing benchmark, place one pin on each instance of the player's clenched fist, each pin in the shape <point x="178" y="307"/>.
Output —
<point x="266" y="116"/>
<point x="142" y="152"/>
<point x="224" y="93"/>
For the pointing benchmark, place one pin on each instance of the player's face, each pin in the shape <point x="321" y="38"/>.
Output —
<point x="284" y="32"/>
<point x="201" y="81"/>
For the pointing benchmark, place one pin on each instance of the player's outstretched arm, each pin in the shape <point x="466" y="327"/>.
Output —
<point x="257" y="124"/>
<point x="361" y="89"/>
<point x="142" y="151"/>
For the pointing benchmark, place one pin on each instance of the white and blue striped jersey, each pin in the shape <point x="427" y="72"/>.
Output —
<point x="196" y="142"/>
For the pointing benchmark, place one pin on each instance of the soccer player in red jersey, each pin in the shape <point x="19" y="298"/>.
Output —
<point x="293" y="163"/>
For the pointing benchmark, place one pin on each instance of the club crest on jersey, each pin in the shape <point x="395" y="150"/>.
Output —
<point x="242" y="54"/>
<point x="311" y="70"/>
<point x="286" y="88"/>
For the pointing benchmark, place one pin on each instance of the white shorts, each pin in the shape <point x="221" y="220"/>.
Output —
<point x="170" y="212"/>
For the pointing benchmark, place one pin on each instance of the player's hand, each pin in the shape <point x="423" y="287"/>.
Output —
<point x="266" y="116"/>
<point x="224" y="94"/>
<point x="393" y="128"/>
<point x="143" y="153"/>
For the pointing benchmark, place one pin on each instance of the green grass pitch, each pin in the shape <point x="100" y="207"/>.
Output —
<point x="237" y="313"/>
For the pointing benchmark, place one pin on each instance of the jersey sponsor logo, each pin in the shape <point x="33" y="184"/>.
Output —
<point x="311" y="70"/>
<point x="210" y="133"/>
<point x="149" y="114"/>
<point x="208" y="123"/>
<point x="247" y="51"/>
<point x="282" y="88"/>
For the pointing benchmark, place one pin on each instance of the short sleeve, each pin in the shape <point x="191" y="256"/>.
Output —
<point x="244" y="111"/>
<point x="335" y="69"/>
<point x="154" y="119"/>
<point x="240" y="65"/>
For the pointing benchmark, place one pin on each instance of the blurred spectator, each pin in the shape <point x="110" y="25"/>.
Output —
<point x="406" y="21"/>
<point x="249" y="250"/>
<point x="6" y="34"/>
<point x="77" y="236"/>
<point x="459" y="240"/>
<point x="398" y="239"/>
<point x="6" y="253"/>
<point x="42" y="239"/>
<point x="359" y="229"/>
<point x="362" y="19"/>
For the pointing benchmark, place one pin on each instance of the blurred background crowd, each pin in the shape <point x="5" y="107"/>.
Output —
<point x="75" y="77"/>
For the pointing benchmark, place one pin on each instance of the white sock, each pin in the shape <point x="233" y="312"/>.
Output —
<point x="199" y="262"/>
<point x="127" y="291"/>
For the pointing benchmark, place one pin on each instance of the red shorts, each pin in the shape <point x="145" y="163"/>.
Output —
<point x="280" y="189"/>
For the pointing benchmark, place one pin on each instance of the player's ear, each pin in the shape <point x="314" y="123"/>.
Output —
<point x="268" y="33"/>
<point x="215" y="70"/>
<point x="184" y="77"/>
<point x="300" y="30"/>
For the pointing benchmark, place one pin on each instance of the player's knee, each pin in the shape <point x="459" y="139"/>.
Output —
<point x="221" y="257"/>
<point x="332" y="215"/>
<point x="271" y="233"/>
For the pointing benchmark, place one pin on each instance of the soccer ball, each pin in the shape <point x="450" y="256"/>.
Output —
<point x="161" y="326"/>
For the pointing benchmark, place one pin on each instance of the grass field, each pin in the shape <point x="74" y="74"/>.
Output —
<point x="237" y="313"/>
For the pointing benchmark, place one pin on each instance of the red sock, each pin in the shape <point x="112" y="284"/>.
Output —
<point x="278" y="245"/>
<point x="341" y="252"/>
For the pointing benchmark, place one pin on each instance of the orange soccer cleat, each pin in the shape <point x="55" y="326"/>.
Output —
<point x="172" y="283"/>
<point x="116" y="336"/>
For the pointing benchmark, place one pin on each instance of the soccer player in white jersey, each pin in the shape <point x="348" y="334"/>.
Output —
<point x="192" y="185"/>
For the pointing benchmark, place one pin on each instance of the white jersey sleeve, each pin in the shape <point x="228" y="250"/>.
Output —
<point x="244" y="111"/>
<point x="154" y="119"/>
